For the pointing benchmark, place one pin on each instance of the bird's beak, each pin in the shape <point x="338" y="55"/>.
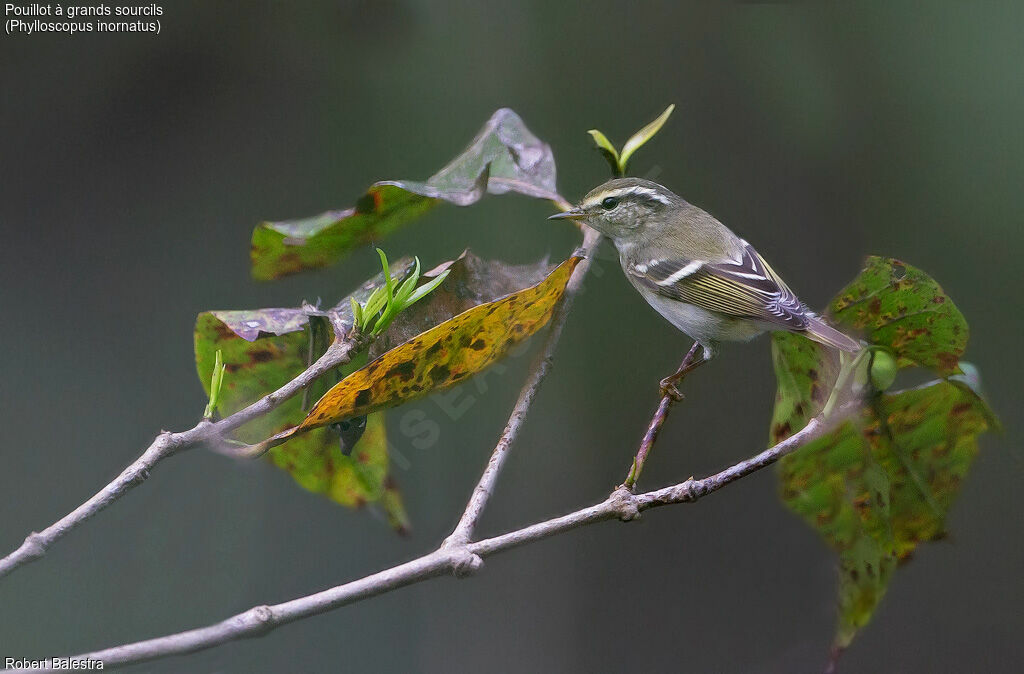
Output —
<point x="575" y="213"/>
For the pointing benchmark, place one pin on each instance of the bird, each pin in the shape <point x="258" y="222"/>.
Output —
<point x="694" y="271"/>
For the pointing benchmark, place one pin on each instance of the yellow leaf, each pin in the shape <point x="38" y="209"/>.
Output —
<point x="440" y="357"/>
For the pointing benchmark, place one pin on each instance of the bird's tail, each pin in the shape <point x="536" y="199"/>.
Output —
<point x="823" y="333"/>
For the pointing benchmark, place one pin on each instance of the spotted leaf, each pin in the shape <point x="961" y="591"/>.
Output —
<point x="882" y="483"/>
<point x="264" y="349"/>
<point x="441" y="356"/>
<point x="899" y="306"/>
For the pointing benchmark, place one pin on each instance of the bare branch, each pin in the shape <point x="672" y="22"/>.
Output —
<point x="539" y="369"/>
<point x="669" y="395"/>
<point x="167" y="444"/>
<point x="459" y="559"/>
<point x="340" y="352"/>
<point x="623" y="504"/>
<point x="260" y="620"/>
<point x="456" y="555"/>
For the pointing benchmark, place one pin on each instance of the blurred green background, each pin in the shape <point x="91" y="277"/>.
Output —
<point x="135" y="166"/>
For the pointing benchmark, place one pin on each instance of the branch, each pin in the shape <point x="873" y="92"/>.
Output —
<point x="340" y="352"/>
<point x="168" y="444"/>
<point x="459" y="559"/>
<point x="539" y="369"/>
<point x="669" y="395"/>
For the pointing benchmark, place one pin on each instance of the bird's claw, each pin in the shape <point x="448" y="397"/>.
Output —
<point x="667" y="389"/>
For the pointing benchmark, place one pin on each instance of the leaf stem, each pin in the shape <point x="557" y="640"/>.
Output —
<point x="848" y="366"/>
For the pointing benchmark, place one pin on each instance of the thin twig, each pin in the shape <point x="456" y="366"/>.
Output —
<point x="539" y="369"/>
<point x="167" y="444"/>
<point x="668" y="396"/>
<point x="460" y="560"/>
<point x="340" y="352"/>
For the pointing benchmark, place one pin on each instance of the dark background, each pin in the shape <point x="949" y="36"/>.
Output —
<point x="134" y="167"/>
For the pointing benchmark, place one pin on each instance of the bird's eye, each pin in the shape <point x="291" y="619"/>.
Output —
<point x="609" y="203"/>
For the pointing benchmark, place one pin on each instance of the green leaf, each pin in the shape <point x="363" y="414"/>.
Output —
<point x="900" y="307"/>
<point x="398" y="298"/>
<point x="424" y="290"/>
<point x="603" y="143"/>
<point x="504" y="157"/>
<point x="256" y="364"/>
<point x="216" y="382"/>
<point x="318" y="465"/>
<point x="877" y="487"/>
<point x="290" y="246"/>
<point x="264" y="349"/>
<point x="608" y="150"/>
<point x="357" y="312"/>
<point x="638" y="139"/>
<point x="881" y="483"/>
<point x="806" y="373"/>
<point x="389" y="283"/>
<point x="409" y="284"/>
<point x="378" y="300"/>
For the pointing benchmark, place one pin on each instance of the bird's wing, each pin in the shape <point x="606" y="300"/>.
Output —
<point x="744" y="288"/>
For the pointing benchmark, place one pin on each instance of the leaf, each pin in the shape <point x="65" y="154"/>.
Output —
<point x="881" y="483"/>
<point x="806" y="372"/>
<point x="877" y="488"/>
<point x="899" y="306"/>
<point x="249" y="324"/>
<point x="442" y="355"/>
<point x="318" y="465"/>
<point x="290" y="246"/>
<point x="216" y="381"/>
<point x="504" y="157"/>
<point x="637" y="140"/>
<point x="471" y="281"/>
<point x="607" y="149"/>
<point x="264" y="349"/>
<point x="505" y="154"/>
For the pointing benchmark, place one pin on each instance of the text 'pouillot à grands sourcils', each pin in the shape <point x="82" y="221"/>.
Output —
<point x="38" y="9"/>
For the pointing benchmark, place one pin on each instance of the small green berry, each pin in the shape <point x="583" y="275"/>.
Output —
<point x="883" y="370"/>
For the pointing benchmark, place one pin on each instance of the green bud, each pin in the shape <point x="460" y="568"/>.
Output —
<point x="883" y="370"/>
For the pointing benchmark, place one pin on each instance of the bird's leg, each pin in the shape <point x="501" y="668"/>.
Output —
<point x="692" y="361"/>
<point x="669" y="395"/>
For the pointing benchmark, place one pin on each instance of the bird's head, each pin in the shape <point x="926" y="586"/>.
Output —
<point x="622" y="206"/>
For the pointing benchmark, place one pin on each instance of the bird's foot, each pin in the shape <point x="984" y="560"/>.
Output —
<point x="667" y="388"/>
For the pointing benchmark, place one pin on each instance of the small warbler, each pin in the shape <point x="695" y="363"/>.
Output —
<point x="694" y="271"/>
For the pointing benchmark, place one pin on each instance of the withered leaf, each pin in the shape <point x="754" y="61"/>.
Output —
<point x="504" y="157"/>
<point x="441" y="356"/>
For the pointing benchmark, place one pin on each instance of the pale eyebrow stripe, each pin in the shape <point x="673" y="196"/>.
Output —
<point x="648" y="192"/>
<point x="623" y="191"/>
<point x="617" y="192"/>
